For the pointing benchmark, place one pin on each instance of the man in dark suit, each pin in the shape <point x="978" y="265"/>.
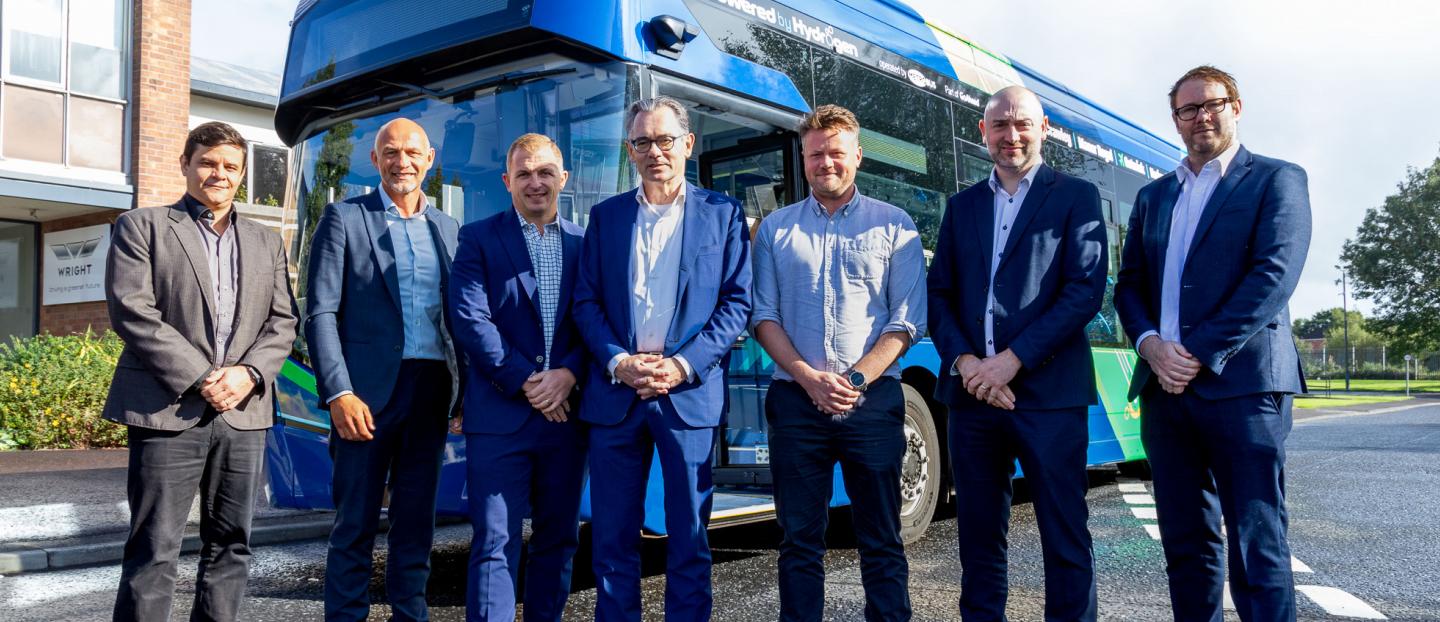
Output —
<point x="386" y="369"/>
<point x="1018" y="272"/>
<point x="1213" y="252"/>
<point x="663" y="292"/>
<point x="201" y="298"/>
<point x="510" y="292"/>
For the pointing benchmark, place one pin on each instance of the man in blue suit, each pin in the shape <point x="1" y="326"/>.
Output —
<point x="1018" y="272"/>
<point x="1213" y="252"/>
<point x="386" y="369"/>
<point x="510" y="312"/>
<point x="664" y="291"/>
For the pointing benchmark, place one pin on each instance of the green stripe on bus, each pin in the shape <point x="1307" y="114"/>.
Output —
<point x="296" y="374"/>
<point x="1113" y="368"/>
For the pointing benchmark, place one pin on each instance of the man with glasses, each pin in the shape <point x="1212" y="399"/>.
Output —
<point x="1213" y="253"/>
<point x="663" y="292"/>
<point x="839" y="296"/>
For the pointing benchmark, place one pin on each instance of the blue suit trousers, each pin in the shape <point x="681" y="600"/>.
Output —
<point x="1214" y="458"/>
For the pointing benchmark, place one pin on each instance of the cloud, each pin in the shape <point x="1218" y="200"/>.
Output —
<point x="1346" y="90"/>
<point x="251" y="33"/>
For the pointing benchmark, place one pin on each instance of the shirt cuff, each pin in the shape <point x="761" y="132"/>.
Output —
<point x="764" y="316"/>
<point x="685" y="365"/>
<point x="1146" y="335"/>
<point x="897" y="326"/>
<point x="614" y="362"/>
<point x="338" y="396"/>
<point x="955" y="367"/>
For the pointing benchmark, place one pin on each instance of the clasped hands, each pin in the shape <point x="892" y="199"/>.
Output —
<point x="549" y="392"/>
<point x="226" y="387"/>
<point x="988" y="379"/>
<point x="831" y="393"/>
<point x="650" y="374"/>
<point x="1173" y="365"/>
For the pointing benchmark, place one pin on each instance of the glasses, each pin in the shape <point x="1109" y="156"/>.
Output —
<point x="665" y="143"/>
<point x="1212" y="106"/>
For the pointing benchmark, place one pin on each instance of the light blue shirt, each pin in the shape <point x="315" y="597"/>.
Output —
<point x="417" y="263"/>
<point x="1195" y="193"/>
<point x="836" y="283"/>
<point x="547" y="259"/>
<point x="1007" y="207"/>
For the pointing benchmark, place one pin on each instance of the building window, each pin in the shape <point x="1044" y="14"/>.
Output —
<point x="62" y="88"/>
<point x="265" y="176"/>
<point x="19" y="267"/>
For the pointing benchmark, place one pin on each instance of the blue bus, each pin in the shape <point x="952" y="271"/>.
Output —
<point x="478" y="73"/>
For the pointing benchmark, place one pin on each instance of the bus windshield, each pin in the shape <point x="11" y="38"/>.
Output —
<point x="582" y="110"/>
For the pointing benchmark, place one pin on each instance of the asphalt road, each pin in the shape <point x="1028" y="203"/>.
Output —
<point x="1365" y="533"/>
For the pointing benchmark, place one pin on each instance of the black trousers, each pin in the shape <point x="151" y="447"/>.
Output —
<point x="406" y="451"/>
<point x="166" y="468"/>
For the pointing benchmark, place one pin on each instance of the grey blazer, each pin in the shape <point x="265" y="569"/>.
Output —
<point x="157" y="286"/>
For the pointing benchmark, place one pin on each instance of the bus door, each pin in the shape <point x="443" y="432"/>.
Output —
<point x="764" y="174"/>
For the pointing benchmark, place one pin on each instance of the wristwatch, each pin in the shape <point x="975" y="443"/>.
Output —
<point x="857" y="380"/>
<point x="255" y="376"/>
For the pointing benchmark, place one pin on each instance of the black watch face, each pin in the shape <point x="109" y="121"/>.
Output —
<point x="857" y="379"/>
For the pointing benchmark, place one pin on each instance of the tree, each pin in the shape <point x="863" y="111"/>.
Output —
<point x="1394" y="260"/>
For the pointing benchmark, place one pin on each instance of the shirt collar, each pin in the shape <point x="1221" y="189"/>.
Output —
<point x="662" y="208"/>
<point x="199" y="211"/>
<point x="1222" y="162"/>
<point x="555" y="222"/>
<point x="390" y="207"/>
<point x="1025" y="182"/>
<point x="844" y="209"/>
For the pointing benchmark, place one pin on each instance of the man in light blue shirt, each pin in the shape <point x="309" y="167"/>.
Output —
<point x="839" y="295"/>
<point x="386" y="370"/>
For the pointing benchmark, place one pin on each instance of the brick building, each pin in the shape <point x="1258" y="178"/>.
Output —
<point x="96" y="97"/>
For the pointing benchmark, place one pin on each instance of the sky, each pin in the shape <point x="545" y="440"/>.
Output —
<point x="1348" y="90"/>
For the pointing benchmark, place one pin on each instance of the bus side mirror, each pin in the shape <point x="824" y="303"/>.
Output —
<point x="671" y="34"/>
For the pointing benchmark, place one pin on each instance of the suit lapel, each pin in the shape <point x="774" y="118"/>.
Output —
<point x="622" y="229"/>
<point x="1159" y="239"/>
<point x="569" y="262"/>
<point x="982" y="225"/>
<point x="255" y="277"/>
<point x="513" y="239"/>
<point x="182" y="226"/>
<point x="1239" y="168"/>
<point x="1034" y="198"/>
<point x="381" y="246"/>
<point x="690" y="238"/>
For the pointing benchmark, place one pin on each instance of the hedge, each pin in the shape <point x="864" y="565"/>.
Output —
<point x="52" y="388"/>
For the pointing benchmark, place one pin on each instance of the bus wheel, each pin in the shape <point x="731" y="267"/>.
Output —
<point x="920" y="478"/>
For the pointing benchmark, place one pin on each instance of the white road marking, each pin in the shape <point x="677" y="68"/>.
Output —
<point x="32" y="589"/>
<point x="1144" y="513"/>
<point x="1139" y="499"/>
<point x="1338" y="602"/>
<point x="1132" y="487"/>
<point x="1351" y="413"/>
<point x="1298" y="566"/>
<point x="1153" y="530"/>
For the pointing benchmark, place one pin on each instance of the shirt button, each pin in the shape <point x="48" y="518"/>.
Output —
<point x="397" y="348"/>
<point x="1005" y="228"/>
<point x="540" y="359"/>
<point x="990" y="342"/>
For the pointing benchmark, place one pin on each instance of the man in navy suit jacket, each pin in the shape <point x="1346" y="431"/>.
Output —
<point x="664" y="291"/>
<point x="386" y="369"/>
<point x="1018" y="272"/>
<point x="1213" y="252"/>
<point x="510" y="308"/>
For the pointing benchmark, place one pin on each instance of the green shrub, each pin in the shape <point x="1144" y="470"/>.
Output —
<point x="52" y="388"/>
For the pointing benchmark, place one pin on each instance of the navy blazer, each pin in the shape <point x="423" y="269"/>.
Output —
<point x="1244" y="262"/>
<point x="354" y="326"/>
<point x="1049" y="285"/>
<point x="714" y="303"/>
<point x="495" y="316"/>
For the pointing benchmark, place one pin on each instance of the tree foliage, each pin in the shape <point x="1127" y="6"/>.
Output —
<point x="1394" y="259"/>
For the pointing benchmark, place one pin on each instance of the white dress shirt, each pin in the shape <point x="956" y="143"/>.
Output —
<point x="655" y="275"/>
<point x="1007" y="206"/>
<point x="1195" y="192"/>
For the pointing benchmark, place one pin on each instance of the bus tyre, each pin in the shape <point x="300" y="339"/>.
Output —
<point x="920" y="477"/>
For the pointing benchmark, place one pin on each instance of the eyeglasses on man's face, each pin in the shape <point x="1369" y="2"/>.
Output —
<point x="1212" y="106"/>
<point x="643" y="144"/>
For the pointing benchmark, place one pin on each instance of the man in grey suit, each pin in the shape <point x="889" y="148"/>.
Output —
<point x="386" y="369"/>
<point x="201" y="298"/>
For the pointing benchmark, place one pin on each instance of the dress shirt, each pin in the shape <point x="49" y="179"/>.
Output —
<point x="835" y="283"/>
<point x="1195" y="192"/>
<point x="222" y="256"/>
<point x="547" y="260"/>
<point x="417" y="264"/>
<point x="1007" y="206"/>
<point x="655" y="275"/>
